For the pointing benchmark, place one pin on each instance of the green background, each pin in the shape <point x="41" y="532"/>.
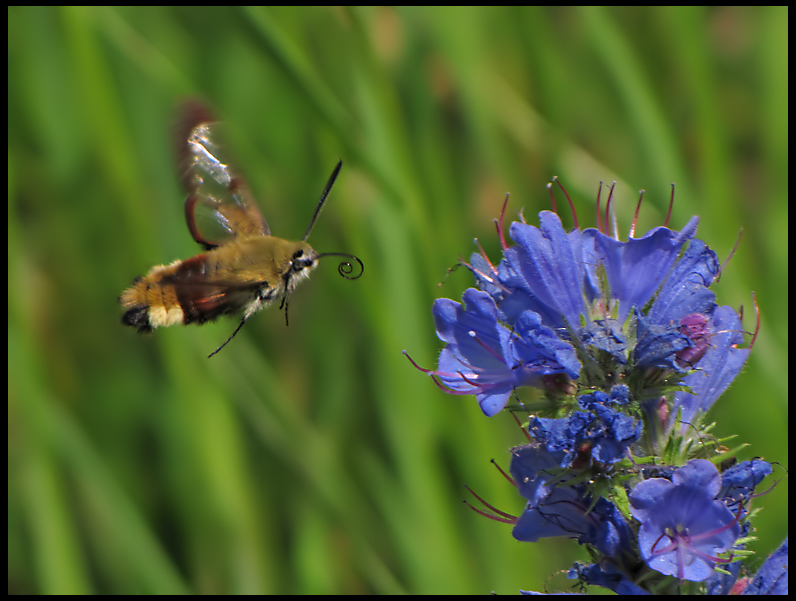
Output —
<point x="314" y="458"/>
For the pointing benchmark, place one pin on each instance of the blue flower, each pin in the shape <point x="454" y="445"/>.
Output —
<point x="685" y="290"/>
<point x="589" y="306"/>
<point x="555" y="508"/>
<point x="545" y="273"/>
<point x="683" y="527"/>
<point x="635" y="269"/>
<point x="576" y="278"/>
<point x="740" y="481"/>
<point x="601" y="433"/>
<point x="657" y="345"/>
<point x="772" y="577"/>
<point x="738" y="484"/>
<point x="605" y="576"/>
<point x="630" y="348"/>
<point x="484" y="358"/>
<point x="717" y="368"/>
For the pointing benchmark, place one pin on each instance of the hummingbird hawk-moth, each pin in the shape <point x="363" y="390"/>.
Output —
<point x="244" y="268"/>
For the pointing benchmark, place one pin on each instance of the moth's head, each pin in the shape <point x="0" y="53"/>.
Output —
<point x="300" y="259"/>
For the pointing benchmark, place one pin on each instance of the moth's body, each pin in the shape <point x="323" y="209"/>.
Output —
<point x="244" y="267"/>
<point x="244" y="275"/>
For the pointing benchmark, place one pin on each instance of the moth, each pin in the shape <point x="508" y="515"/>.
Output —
<point x="244" y="268"/>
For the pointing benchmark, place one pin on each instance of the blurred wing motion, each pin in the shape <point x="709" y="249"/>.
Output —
<point x="219" y="206"/>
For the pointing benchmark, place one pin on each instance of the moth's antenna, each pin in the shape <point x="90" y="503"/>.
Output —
<point x="326" y="191"/>
<point x="240" y="325"/>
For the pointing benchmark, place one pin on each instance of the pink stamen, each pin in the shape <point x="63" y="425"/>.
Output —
<point x="505" y="475"/>
<point x="552" y="198"/>
<point x="635" y="215"/>
<point x="712" y="533"/>
<point x="472" y="383"/>
<point x="599" y="216"/>
<point x="499" y="225"/>
<point x="765" y="492"/>
<point x="730" y="256"/>
<point x="481" y="274"/>
<point x="608" y="208"/>
<point x="519" y="423"/>
<point x="569" y="200"/>
<point x="757" y="322"/>
<point x="442" y="386"/>
<point x="488" y="505"/>
<point x="490" y="516"/>
<point x="486" y="258"/>
<point x="497" y="515"/>
<point x="412" y="361"/>
<point x="757" y="325"/>
<point x="671" y="204"/>
<point x="436" y="375"/>
<point x="668" y="548"/>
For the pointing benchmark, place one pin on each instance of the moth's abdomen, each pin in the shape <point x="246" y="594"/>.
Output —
<point x="183" y="292"/>
<point x="150" y="304"/>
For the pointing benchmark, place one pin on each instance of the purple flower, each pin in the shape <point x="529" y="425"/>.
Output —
<point x="657" y="345"/>
<point x="484" y="358"/>
<point x="685" y="290"/>
<point x="635" y="269"/>
<point x="555" y="508"/>
<point x="584" y="306"/>
<point x="546" y="271"/>
<point x="601" y="433"/>
<point x="739" y="482"/>
<point x="585" y="284"/>
<point x="683" y="527"/>
<point x="772" y="577"/>
<point x="630" y="348"/>
<point x="696" y="329"/>
<point x="721" y="362"/>
<point x="606" y="576"/>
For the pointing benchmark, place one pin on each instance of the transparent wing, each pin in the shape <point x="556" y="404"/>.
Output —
<point x="219" y="206"/>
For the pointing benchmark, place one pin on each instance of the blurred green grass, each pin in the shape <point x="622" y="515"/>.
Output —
<point x="314" y="459"/>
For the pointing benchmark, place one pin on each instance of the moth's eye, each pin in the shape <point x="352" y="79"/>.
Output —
<point x="299" y="263"/>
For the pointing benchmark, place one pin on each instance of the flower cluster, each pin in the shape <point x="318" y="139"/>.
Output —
<point x="629" y="349"/>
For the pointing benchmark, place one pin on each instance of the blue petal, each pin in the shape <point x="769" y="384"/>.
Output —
<point x="772" y="577"/>
<point x="635" y="268"/>
<point x="740" y="481"/>
<point x="657" y="344"/>
<point x="717" y="368"/>
<point x="646" y="495"/>
<point x="686" y="290"/>
<point x="540" y="345"/>
<point x="700" y="474"/>
<point x="547" y="265"/>
<point x="492" y="402"/>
